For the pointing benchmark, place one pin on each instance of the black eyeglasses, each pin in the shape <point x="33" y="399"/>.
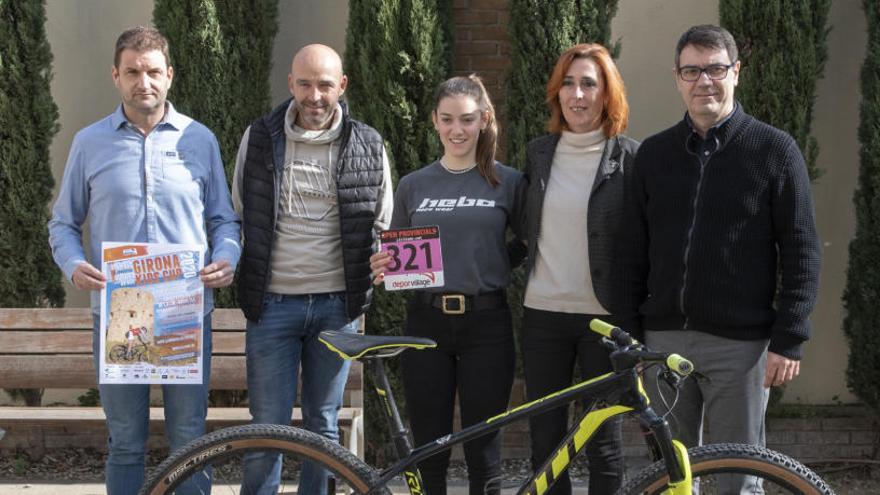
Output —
<point x="691" y="73"/>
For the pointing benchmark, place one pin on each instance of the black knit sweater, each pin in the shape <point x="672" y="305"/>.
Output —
<point x="728" y="247"/>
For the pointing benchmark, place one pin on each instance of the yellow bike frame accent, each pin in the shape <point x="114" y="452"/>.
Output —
<point x="593" y="421"/>
<point x="587" y="427"/>
<point x="685" y="486"/>
<point x="546" y="397"/>
<point x="412" y="482"/>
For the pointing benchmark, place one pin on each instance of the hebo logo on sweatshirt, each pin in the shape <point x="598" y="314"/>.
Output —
<point x="449" y="204"/>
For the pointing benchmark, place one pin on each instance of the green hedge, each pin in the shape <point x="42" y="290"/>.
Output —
<point x="28" y="122"/>
<point x="863" y="274"/>
<point x="783" y="51"/>
<point x="539" y="32"/>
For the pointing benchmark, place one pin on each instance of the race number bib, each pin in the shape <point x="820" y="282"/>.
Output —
<point x="416" y="259"/>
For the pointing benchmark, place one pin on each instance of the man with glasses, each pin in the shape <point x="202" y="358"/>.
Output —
<point x="720" y="259"/>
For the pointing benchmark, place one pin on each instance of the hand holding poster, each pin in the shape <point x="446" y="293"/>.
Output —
<point x="416" y="259"/>
<point x="151" y="313"/>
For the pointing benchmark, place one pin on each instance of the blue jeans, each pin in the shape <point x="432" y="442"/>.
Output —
<point x="127" y="408"/>
<point x="285" y="338"/>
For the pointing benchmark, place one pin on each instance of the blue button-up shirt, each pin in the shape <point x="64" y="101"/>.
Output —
<point x="166" y="187"/>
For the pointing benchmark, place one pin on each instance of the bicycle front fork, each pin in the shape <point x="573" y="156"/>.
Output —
<point x="399" y="433"/>
<point x="674" y="453"/>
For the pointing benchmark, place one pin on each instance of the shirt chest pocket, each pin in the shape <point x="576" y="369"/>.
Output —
<point x="182" y="175"/>
<point x="179" y="167"/>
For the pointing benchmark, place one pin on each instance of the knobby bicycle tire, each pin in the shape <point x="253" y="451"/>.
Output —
<point x="118" y="353"/>
<point x="287" y="440"/>
<point x="731" y="458"/>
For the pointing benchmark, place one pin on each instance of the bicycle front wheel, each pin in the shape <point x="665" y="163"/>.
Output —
<point x="724" y="468"/>
<point x="216" y="463"/>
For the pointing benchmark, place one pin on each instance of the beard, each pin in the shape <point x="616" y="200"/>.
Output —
<point x="305" y="114"/>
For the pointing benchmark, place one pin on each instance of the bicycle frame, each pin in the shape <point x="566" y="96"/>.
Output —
<point x="623" y="390"/>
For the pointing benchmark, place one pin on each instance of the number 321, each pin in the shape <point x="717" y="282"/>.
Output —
<point x="410" y="252"/>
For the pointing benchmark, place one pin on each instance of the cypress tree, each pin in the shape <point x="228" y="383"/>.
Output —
<point x="396" y="53"/>
<point x="221" y="51"/>
<point x="783" y="50"/>
<point x="28" y="121"/>
<point x="863" y="273"/>
<point x="539" y="32"/>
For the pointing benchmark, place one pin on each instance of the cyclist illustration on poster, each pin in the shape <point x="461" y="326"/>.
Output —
<point x="151" y="313"/>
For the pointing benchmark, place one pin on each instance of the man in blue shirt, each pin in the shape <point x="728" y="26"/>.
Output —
<point x="145" y="174"/>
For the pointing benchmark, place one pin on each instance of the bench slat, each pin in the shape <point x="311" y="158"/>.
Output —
<point x="79" y="372"/>
<point x="51" y="342"/>
<point x="54" y="319"/>
<point x="81" y="319"/>
<point x="80" y="342"/>
<point x="227" y="372"/>
<point x="228" y="319"/>
<point x="63" y="415"/>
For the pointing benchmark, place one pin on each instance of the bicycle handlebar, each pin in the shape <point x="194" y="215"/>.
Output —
<point x="625" y="343"/>
<point x="680" y="365"/>
<point x="612" y="332"/>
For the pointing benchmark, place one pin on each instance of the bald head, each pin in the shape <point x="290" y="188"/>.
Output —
<point x="316" y="82"/>
<point x="311" y="57"/>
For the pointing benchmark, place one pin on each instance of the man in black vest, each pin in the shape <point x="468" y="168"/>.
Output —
<point x="720" y="254"/>
<point x="312" y="186"/>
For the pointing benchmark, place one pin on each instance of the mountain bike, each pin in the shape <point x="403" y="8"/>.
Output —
<point x="616" y="393"/>
<point x="120" y="353"/>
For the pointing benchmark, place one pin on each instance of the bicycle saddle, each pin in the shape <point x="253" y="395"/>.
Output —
<point x="355" y="346"/>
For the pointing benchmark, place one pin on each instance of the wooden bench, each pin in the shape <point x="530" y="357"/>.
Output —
<point x="52" y="348"/>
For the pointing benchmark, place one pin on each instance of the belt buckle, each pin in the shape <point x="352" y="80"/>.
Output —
<point x="453" y="297"/>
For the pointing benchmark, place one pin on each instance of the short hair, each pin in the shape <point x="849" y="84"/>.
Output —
<point x="141" y="39"/>
<point x="487" y="144"/>
<point x="707" y="36"/>
<point x="615" y="114"/>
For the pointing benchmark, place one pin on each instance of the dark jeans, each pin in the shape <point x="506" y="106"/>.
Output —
<point x="551" y="342"/>
<point x="474" y="357"/>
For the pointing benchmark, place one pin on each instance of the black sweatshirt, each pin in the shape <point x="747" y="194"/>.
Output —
<point x="702" y="240"/>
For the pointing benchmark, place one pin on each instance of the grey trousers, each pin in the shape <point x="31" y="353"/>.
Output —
<point x="732" y="401"/>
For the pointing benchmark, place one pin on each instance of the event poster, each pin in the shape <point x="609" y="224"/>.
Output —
<point x="151" y="313"/>
<point x="416" y="259"/>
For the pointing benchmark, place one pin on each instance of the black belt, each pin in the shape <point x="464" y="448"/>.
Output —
<point x="456" y="304"/>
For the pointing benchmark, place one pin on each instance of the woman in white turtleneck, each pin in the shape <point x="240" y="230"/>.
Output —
<point x="573" y="213"/>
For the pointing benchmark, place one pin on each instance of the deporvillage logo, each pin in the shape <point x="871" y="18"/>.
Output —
<point x="448" y="204"/>
<point x="415" y="283"/>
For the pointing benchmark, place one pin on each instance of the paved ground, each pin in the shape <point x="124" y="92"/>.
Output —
<point x="98" y="489"/>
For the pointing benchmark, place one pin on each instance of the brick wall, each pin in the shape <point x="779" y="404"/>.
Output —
<point x="481" y="46"/>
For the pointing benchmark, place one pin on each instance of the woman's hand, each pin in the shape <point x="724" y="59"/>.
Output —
<point x="378" y="264"/>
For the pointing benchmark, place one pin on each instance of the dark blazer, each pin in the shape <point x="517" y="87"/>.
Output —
<point x="604" y="214"/>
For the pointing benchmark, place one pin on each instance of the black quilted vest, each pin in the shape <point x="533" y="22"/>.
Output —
<point x="358" y="183"/>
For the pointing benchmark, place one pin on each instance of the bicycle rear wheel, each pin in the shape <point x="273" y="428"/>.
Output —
<point x="716" y="466"/>
<point x="214" y="462"/>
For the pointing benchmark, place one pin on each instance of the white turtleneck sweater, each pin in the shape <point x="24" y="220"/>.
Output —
<point x="561" y="280"/>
